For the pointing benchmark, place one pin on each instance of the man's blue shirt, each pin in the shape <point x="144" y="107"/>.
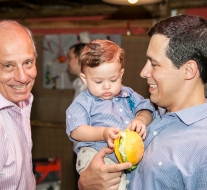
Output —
<point x="117" y="112"/>
<point x="175" y="156"/>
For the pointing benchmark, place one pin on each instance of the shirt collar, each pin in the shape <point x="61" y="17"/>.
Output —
<point x="189" y="115"/>
<point x="77" y="83"/>
<point x="123" y="93"/>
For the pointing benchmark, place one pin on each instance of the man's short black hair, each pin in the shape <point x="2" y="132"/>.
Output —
<point x="77" y="48"/>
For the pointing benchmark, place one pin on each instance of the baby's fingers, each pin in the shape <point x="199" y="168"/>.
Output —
<point x="142" y="131"/>
<point x="131" y="126"/>
<point x="113" y="135"/>
<point x="144" y="135"/>
<point x="111" y="144"/>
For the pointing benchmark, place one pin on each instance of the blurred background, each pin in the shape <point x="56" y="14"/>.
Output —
<point x="57" y="25"/>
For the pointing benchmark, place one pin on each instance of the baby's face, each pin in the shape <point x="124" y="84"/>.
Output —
<point x="103" y="81"/>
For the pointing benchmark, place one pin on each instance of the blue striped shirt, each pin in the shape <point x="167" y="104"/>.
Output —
<point x="175" y="156"/>
<point x="117" y="112"/>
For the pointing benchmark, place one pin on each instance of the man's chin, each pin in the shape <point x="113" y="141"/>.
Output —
<point x="18" y="98"/>
<point x="153" y="99"/>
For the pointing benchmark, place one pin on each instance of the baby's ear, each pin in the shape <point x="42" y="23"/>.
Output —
<point x="122" y="72"/>
<point x="83" y="78"/>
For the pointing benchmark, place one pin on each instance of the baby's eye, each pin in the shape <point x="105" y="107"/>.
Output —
<point x="98" y="82"/>
<point x="113" y="80"/>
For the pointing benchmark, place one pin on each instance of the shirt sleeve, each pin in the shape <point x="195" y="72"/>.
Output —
<point x="198" y="180"/>
<point x="1" y="148"/>
<point x="77" y="114"/>
<point x="141" y="103"/>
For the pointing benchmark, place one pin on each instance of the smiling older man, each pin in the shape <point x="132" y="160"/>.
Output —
<point x="17" y="76"/>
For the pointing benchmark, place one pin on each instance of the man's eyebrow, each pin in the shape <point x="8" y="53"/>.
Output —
<point x="4" y="62"/>
<point x="151" y="59"/>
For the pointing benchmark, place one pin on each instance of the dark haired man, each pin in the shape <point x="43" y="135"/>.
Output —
<point x="75" y="69"/>
<point x="175" y="154"/>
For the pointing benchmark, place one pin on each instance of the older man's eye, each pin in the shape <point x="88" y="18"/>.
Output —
<point x="8" y="66"/>
<point x="28" y="63"/>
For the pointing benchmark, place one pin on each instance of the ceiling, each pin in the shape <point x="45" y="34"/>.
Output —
<point x="21" y="9"/>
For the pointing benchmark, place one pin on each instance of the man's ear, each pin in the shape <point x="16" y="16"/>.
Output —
<point x="83" y="78"/>
<point x="190" y="69"/>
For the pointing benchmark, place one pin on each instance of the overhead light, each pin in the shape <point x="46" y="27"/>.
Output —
<point x="132" y="2"/>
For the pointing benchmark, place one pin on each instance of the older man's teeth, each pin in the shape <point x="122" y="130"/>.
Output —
<point x="153" y="86"/>
<point x="19" y="87"/>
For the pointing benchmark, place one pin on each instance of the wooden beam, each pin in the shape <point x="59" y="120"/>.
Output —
<point x="98" y="25"/>
<point x="23" y="13"/>
<point x="87" y="24"/>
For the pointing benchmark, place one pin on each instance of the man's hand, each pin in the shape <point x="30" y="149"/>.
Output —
<point x="99" y="176"/>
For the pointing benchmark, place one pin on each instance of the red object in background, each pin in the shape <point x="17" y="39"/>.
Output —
<point x="197" y="11"/>
<point x="61" y="59"/>
<point x="46" y="170"/>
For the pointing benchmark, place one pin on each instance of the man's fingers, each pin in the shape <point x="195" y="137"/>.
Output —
<point x="103" y="152"/>
<point x="118" y="167"/>
<point x="113" y="181"/>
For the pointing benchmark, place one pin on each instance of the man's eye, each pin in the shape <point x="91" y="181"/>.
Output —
<point x="153" y="64"/>
<point x="28" y="62"/>
<point x="7" y="66"/>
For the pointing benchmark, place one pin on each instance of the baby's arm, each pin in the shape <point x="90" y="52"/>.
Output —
<point x="139" y="123"/>
<point x="87" y="133"/>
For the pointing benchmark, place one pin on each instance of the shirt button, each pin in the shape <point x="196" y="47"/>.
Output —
<point x="127" y="122"/>
<point x="117" y="99"/>
<point x="120" y="110"/>
<point x="159" y="163"/>
<point x="69" y="116"/>
<point x="154" y="133"/>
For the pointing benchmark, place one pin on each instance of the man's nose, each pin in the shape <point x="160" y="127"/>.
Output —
<point x="20" y="75"/>
<point x="146" y="71"/>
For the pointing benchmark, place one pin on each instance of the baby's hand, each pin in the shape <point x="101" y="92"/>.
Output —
<point x="138" y="125"/>
<point x="109" y="134"/>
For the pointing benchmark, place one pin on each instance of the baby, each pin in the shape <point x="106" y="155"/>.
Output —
<point x="107" y="107"/>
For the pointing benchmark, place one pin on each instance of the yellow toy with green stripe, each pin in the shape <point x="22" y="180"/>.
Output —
<point x="129" y="147"/>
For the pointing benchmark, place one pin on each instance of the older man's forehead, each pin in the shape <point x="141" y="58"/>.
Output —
<point x="11" y="30"/>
